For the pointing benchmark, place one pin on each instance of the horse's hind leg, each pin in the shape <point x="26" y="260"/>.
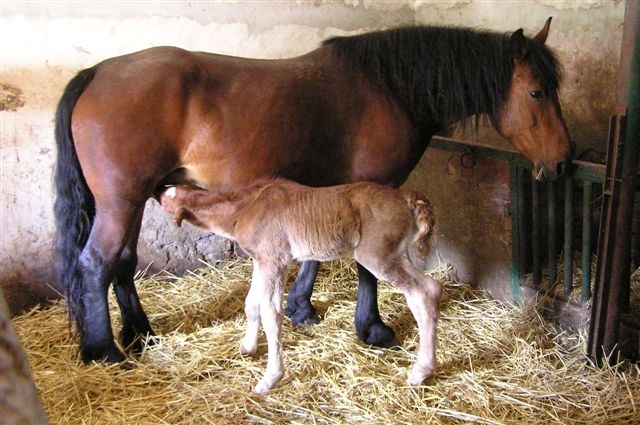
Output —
<point x="101" y="254"/>
<point x="369" y="325"/>
<point x="299" y="307"/>
<point x="135" y="324"/>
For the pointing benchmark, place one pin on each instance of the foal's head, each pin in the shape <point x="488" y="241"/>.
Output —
<point x="181" y="201"/>
<point x="530" y="116"/>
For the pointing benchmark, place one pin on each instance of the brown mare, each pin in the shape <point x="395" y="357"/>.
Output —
<point x="388" y="231"/>
<point x="357" y="108"/>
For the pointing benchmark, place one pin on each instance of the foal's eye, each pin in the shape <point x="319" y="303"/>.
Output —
<point x="536" y="94"/>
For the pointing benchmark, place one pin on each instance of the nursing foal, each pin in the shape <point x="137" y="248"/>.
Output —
<point x="278" y="221"/>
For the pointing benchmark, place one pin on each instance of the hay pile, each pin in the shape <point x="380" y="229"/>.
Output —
<point x="497" y="363"/>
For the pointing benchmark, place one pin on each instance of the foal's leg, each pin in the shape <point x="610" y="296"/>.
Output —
<point x="249" y="343"/>
<point x="135" y="324"/>
<point x="369" y="325"/>
<point x="299" y="307"/>
<point x="423" y="303"/>
<point x="423" y="294"/>
<point x="268" y="280"/>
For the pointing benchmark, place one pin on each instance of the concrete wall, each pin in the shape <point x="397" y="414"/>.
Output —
<point x="44" y="44"/>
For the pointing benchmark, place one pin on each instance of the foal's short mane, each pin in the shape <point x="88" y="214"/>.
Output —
<point x="441" y="73"/>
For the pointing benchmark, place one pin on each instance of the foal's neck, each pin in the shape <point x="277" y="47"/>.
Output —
<point x="219" y="211"/>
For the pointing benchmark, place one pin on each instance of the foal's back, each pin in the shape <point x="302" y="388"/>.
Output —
<point x="323" y="223"/>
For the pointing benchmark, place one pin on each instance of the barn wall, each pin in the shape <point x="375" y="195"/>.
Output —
<point x="45" y="44"/>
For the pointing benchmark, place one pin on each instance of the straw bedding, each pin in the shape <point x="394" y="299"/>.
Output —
<point x="497" y="363"/>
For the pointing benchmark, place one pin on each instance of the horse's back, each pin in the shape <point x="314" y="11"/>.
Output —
<point x="164" y="108"/>
<point x="226" y="121"/>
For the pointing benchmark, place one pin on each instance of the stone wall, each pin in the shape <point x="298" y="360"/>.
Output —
<point x="45" y="43"/>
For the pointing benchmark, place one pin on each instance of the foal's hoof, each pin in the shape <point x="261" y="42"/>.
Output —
<point x="248" y="350"/>
<point x="379" y="335"/>
<point x="417" y="375"/>
<point x="267" y="382"/>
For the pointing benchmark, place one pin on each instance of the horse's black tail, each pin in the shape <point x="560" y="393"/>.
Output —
<point x="74" y="205"/>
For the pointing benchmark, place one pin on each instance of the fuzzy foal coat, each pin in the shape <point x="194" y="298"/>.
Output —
<point x="386" y="230"/>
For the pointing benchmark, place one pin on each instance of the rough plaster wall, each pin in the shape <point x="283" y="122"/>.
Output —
<point x="45" y="44"/>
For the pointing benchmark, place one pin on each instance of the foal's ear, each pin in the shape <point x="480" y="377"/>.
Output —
<point x="178" y="216"/>
<point x="518" y="45"/>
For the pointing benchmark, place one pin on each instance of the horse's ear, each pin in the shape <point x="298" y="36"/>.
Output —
<point x="518" y="45"/>
<point x="541" y="37"/>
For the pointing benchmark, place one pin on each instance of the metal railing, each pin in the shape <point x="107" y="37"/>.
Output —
<point x="542" y="211"/>
<point x="548" y="215"/>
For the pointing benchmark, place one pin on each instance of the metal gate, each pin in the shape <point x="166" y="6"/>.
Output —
<point x="559" y="239"/>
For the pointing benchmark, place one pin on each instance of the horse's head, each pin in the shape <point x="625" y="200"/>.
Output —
<point x="530" y="117"/>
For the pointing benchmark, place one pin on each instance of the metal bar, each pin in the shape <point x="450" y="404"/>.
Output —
<point x="597" y="324"/>
<point x="535" y="234"/>
<point x="568" y="236"/>
<point x="552" y="254"/>
<point x="448" y="144"/>
<point x="588" y="171"/>
<point x="582" y="169"/>
<point x="524" y="215"/>
<point x="586" y="239"/>
<point x="516" y="222"/>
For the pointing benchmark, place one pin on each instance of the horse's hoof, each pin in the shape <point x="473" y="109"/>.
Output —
<point x="379" y="335"/>
<point x="127" y="365"/>
<point x="109" y="354"/>
<point x="138" y="343"/>
<point x="302" y="316"/>
<point x="134" y="341"/>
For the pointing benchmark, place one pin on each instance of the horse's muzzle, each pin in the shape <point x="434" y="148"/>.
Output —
<point x="542" y="172"/>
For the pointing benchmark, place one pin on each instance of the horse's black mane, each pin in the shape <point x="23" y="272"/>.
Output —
<point x="444" y="74"/>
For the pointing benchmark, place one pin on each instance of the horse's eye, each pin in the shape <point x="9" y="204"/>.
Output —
<point x="536" y="94"/>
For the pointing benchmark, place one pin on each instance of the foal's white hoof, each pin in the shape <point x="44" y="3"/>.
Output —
<point x="262" y="388"/>
<point x="266" y="383"/>
<point x="248" y="351"/>
<point x="418" y="374"/>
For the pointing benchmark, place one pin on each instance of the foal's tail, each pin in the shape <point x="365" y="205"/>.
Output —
<point x="74" y="205"/>
<point x="425" y="222"/>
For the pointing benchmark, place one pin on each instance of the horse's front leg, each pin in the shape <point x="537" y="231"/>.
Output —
<point x="135" y="324"/>
<point x="369" y="325"/>
<point x="299" y="307"/>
